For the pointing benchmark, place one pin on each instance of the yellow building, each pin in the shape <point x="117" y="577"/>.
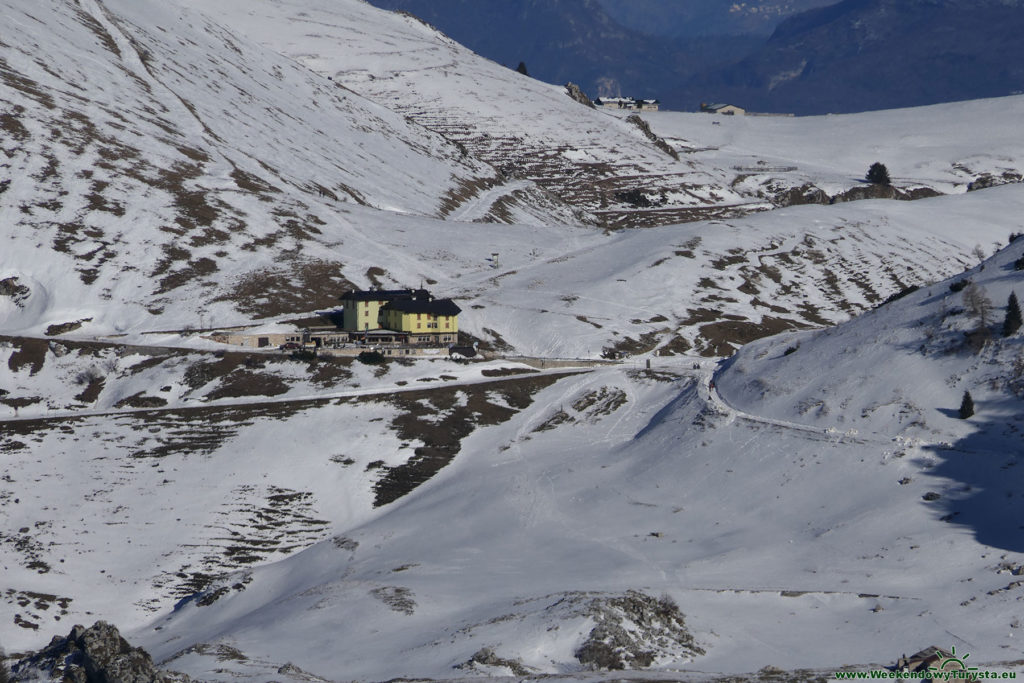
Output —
<point x="403" y="316"/>
<point x="361" y="309"/>
<point x="423" y="318"/>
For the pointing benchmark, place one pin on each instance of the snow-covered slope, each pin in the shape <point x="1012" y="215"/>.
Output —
<point x="947" y="148"/>
<point x="238" y="185"/>
<point x="785" y="539"/>
<point x="907" y="363"/>
<point x="595" y="160"/>
<point x="526" y="128"/>
<point x="712" y="286"/>
<point x="240" y="512"/>
<point x="156" y="164"/>
<point x="785" y="536"/>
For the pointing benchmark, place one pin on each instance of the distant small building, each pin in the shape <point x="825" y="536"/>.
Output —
<point x="616" y="102"/>
<point x="935" y="659"/>
<point x="723" y="109"/>
<point x="629" y="103"/>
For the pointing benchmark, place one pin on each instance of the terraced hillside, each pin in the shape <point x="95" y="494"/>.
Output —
<point x="588" y="159"/>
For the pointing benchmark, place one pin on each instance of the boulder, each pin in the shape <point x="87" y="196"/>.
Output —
<point x="97" y="654"/>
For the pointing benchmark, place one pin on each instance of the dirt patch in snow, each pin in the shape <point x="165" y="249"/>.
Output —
<point x="722" y="338"/>
<point x="248" y="383"/>
<point x="441" y="418"/>
<point x="296" y="286"/>
<point x="13" y="288"/>
<point x="64" y="328"/>
<point x="29" y="353"/>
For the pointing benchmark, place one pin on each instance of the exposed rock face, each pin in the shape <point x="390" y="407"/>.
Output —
<point x="574" y="92"/>
<point x="650" y="135"/>
<point x="806" y="194"/>
<point x="633" y="631"/>
<point x="875" y="191"/>
<point x="14" y="289"/>
<point x="988" y="180"/>
<point x="97" y="654"/>
<point x="809" y="193"/>
<point x="486" y="658"/>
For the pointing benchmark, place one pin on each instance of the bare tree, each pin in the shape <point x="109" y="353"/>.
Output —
<point x="979" y="253"/>
<point x="978" y="304"/>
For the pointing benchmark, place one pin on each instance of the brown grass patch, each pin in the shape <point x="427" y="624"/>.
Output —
<point x="465" y="190"/>
<point x="630" y="346"/>
<point x="27" y="86"/>
<point x="442" y="427"/>
<point x="245" y="383"/>
<point x="64" y="328"/>
<point x="330" y="371"/>
<point x="248" y="182"/>
<point x="92" y="390"/>
<point x="718" y="339"/>
<point x="296" y="287"/>
<point x="194" y="270"/>
<point x="139" y="400"/>
<point x="10" y="124"/>
<point x="31" y="353"/>
<point x="376" y="275"/>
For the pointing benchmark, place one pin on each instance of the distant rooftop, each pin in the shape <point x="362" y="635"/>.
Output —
<point x="429" y="306"/>
<point x="384" y="294"/>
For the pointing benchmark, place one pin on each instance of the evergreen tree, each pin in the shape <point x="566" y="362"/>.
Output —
<point x="878" y="174"/>
<point x="1013" y="319"/>
<point x="966" y="406"/>
<point x="522" y="69"/>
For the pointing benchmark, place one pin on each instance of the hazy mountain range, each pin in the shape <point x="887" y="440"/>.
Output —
<point x="807" y="57"/>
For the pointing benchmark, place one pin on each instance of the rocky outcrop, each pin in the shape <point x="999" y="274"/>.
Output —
<point x="811" y="194"/>
<point x="988" y="180"/>
<point x="634" y="631"/>
<point x="14" y="289"/>
<point x="485" y="660"/>
<point x="650" y="135"/>
<point x="799" y="196"/>
<point x="97" y="654"/>
<point x="573" y="91"/>
<point x="877" y="191"/>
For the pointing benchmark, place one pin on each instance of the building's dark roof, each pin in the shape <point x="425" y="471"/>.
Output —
<point x="431" y="306"/>
<point x="384" y="294"/>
